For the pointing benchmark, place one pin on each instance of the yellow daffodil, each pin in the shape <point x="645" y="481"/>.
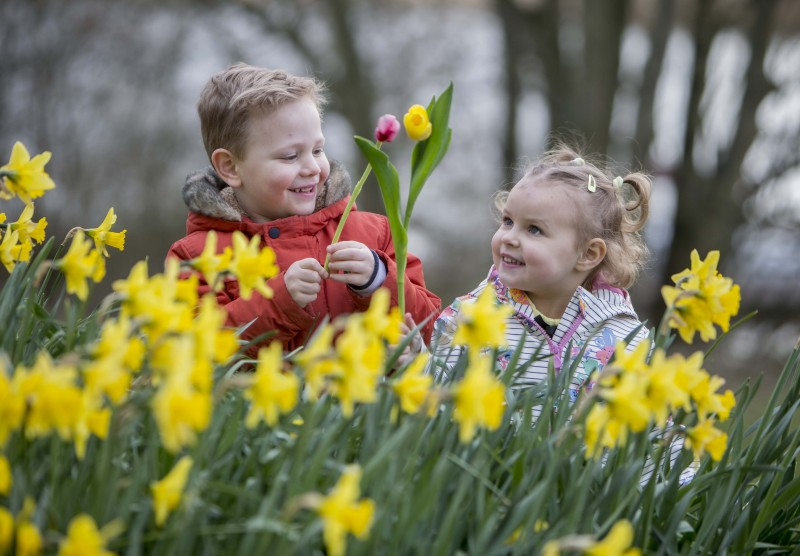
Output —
<point x="701" y="298"/>
<point x="180" y="412"/>
<point x="272" y="392"/>
<point x="627" y="401"/>
<point x="103" y="236"/>
<point x="29" y="540"/>
<point x="482" y="323"/>
<point x="318" y="361"/>
<point x="130" y="288"/>
<point x="343" y="513"/>
<point x="5" y="476"/>
<point x="12" y="251"/>
<point x="617" y="542"/>
<point x="708" y="402"/>
<point x="414" y="387"/>
<point x="56" y="403"/>
<point x="479" y="399"/>
<point x="381" y="320"/>
<point x="252" y="265"/>
<point x="664" y="390"/>
<point x="54" y="399"/>
<point x="25" y="176"/>
<point x="85" y="539"/>
<point x="160" y="303"/>
<point x="360" y="357"/>
<point x="213" y="341"/>
<point x="705" y="437"/>
<point x="27" y="228"/>
<point x="550" y="548"/>
<point x="93" y="420"/>
<point x="116" y="355"/>
<point x="210" y="263"/>
<point x="168" y="492"/>
<point x="12" y="404"/>
<point x="603" y="430"/>
<point x="6" y="530"/>
<point x="79" y="264"/>
<point x="417" y="123"/>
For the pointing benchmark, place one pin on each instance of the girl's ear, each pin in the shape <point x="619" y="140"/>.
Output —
<point x="225" y="165"/>
<point x="593" y="254"/>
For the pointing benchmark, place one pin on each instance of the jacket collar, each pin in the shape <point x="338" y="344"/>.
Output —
<point x="594" y="306"/>
<point x="291" y="226"/>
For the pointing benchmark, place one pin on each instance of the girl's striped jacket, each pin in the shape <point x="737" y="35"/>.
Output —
<point x="593" y="322"/>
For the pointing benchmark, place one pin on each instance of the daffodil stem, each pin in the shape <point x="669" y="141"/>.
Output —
<point x="349" y="206"/>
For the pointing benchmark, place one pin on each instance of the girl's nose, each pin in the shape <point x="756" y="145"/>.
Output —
<point x="509" y="237"/>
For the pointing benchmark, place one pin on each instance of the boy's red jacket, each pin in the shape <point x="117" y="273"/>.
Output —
<point x="298" y="237"/>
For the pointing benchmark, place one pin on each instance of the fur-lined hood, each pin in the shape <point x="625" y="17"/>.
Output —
<point x="205" y="193"/>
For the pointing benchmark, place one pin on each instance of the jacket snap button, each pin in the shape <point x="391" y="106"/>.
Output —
<point x="274" y="233"/>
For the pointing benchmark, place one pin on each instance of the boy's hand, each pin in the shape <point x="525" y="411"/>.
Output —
<point x="303" y="280"/>
<point x="351" y="263"/>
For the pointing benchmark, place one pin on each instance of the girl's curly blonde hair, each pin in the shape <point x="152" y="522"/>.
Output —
<point x="614" y="213"/>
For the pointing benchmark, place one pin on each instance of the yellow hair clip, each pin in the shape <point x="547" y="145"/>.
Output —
<point x="577" y="162"/>
<point x="592" y="187"/>
<point x="617" y="182"/>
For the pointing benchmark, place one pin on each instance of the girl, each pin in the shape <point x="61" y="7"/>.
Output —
<point x="567" y="247"/>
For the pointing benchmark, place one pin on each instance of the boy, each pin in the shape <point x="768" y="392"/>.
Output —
<point x="262" y="132"/>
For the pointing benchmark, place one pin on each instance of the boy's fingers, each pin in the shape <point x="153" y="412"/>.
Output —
<point x="334" y="247"/>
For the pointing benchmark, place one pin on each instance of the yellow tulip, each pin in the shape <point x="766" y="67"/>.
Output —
<point x="417" y="124"/>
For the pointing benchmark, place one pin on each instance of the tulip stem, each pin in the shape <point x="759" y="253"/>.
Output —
<point x="350" y="203"/>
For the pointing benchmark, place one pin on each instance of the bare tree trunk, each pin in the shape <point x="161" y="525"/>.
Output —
<point x="660" y="30"/>
<point x="693" y="216"/>
<point x="603" y="24"/>
<point x="513" y="49"/>
<point x="708" y="211"/>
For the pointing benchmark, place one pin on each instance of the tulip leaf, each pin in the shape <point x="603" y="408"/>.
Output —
<point x="389" y="183"/>
<point x="427" y="154"/>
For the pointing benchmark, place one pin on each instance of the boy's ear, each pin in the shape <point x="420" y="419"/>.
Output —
<point x="593" y="254"/>
<point x="225" y="165"/>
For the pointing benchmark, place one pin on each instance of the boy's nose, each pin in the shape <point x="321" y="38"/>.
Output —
<point x="311" y="166"/>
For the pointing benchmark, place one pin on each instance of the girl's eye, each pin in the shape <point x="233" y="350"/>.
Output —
<point x="319" y="152"/>
<point x="535" y="230"/>
<point x="507" y="221"/>
<point x="290" y="157"/>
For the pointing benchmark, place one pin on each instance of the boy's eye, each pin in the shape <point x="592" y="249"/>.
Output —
<point x="319" y="152"/>
<point x="507" y="221"/>
<point x="535" y="230"/>
<point x="289" y="157"/>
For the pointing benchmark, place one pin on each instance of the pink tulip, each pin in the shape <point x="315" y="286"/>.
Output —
<point x="387" y="129"/>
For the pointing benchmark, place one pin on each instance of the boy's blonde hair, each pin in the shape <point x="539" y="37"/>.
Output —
<point x="615" y="214"/>
<point x="231" y="97"/>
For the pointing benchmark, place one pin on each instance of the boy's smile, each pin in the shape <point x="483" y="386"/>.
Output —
<point x="284" y="163"/>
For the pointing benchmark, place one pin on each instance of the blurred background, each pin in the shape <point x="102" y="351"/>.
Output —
<point x="702" y="94"/>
